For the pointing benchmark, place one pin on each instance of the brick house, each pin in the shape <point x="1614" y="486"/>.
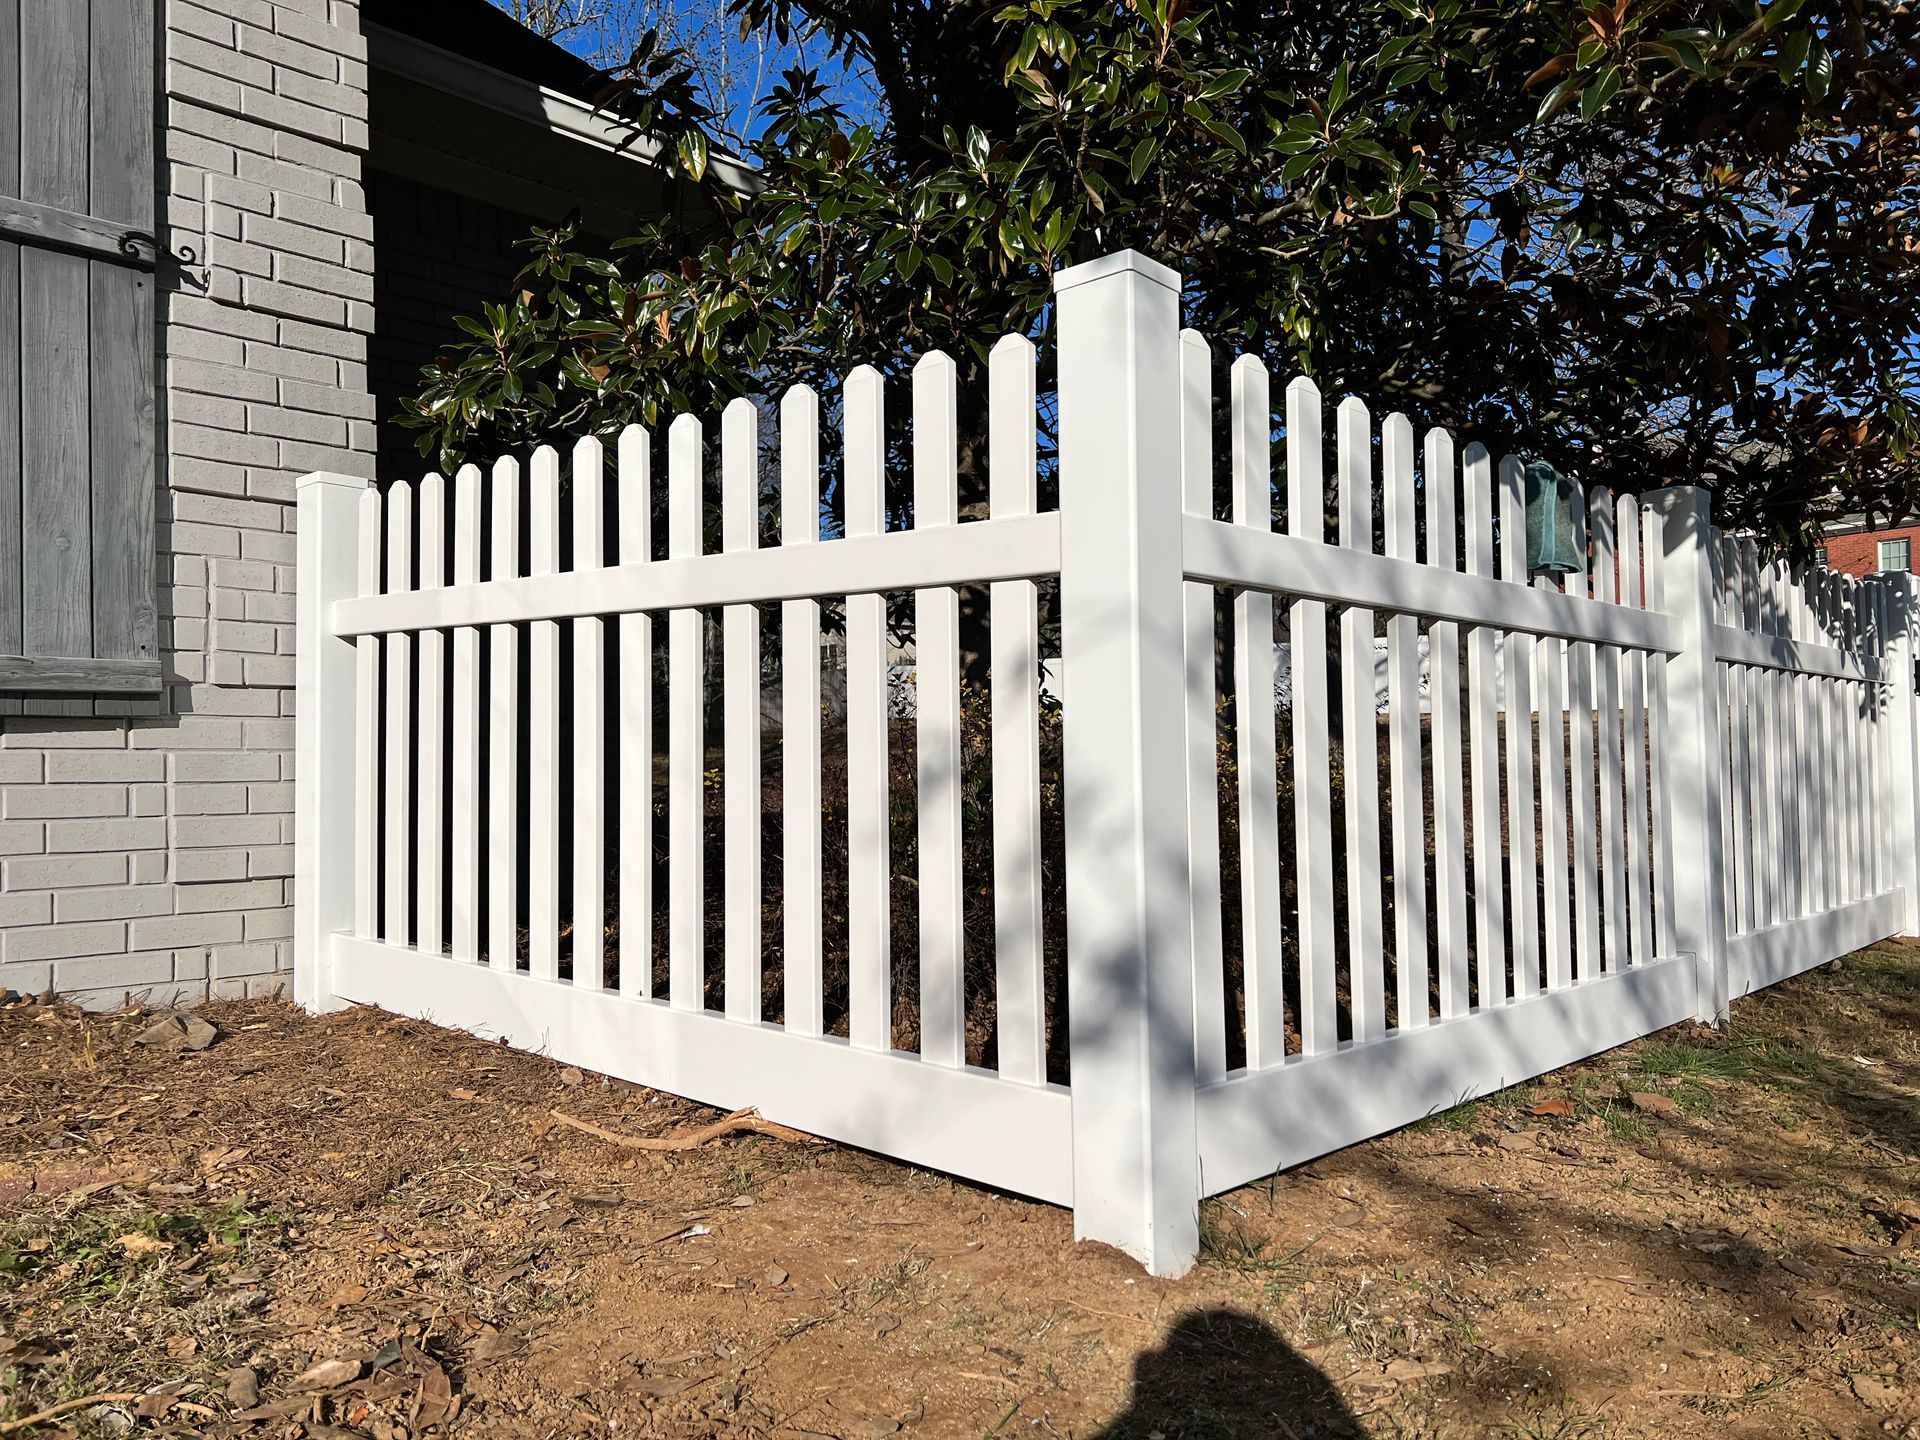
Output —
<point x="1853" y="548"/>
<point x="230" y="233"/>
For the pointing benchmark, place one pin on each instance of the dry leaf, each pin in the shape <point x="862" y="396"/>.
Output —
<point x="436" y="1403"/>
<point x="1559" y="1106"/>
<point x="327" y="1374"/>
<point x="346" y="1295"/>
<point x="139" y="1244"/>
<point x="178" y="1032"/>
<point x="463" y="1095"/>
<point x="494" y="1347"/>
<point x="182" y="1347"/>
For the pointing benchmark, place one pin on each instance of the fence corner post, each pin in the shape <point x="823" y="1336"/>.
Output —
<point x="1903" y="742"/>
<point x="1136" y="1180"/>
<point x="326" y="570"/>
<point x="1693" y="731"/>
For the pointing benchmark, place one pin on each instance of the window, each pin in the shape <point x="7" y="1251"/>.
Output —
<point x="1896" y="555"/>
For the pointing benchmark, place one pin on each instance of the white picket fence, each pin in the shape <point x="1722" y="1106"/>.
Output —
<point x="1704" y="782"/>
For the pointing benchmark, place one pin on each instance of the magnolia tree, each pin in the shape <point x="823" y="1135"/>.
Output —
<point x="1652" y="242"/>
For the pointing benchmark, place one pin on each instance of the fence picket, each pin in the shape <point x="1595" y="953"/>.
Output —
<point x="399" y="715"/>
<point x="1790" y="688"/>
<point x="1521" y="842"/>
<point x="1490" y="924"/>
<point x="588" y="784"/>
<point x="869" y="866"/>
<point x="430" y="726"/>
<point x="463" y="855"/>
<point x="936" y="610"/>
<point x="1360" y="745"/>
<point x="366" y="740"/>
<point x="1779" y="817"/>
<point x="1858" y="762"/>
<point x="635" y="711"/>
<point x="1014" y="683"/>
<point x="1727" y="596"/>
<point x="686" y="732"/>
<point x="1312" y="781"/>
<point x="503" y="734"/>
<point x="1639" y="880"/>
<point x="1738" y="681"/>
<point x="1659" y="790"/>
<point x="740" y="703"/>
<point x="1255" y="730"/>
<point x="1580" y="776"/>
<point x="1824" y="796"/>
<point x="1449" y="810"/>
<point x="800" y="798"/>
<point x="543" y="727"/>
<point x="1834" y="706"/>
<point x="1555" y="907"/>
<point x="1613" y="862"/>
<point x="1404" y="762"/>
<point x="1832" y="719"/>
<point x="1754" y="692"/>
<point x="1880" y="740"/>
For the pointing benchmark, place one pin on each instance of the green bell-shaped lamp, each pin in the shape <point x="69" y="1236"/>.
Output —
<point x="1550" y="545"/>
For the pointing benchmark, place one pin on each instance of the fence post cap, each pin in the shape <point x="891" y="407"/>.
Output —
<point x="329" y="477"/>
<point x="1119" y="263"/>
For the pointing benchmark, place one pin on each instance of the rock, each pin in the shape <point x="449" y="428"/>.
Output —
<point x="243" y="1387"/>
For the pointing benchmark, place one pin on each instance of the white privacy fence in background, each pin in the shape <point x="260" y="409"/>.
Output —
<point x="1132" y="935"/>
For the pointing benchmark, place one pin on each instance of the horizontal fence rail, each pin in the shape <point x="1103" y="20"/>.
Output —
<point x="1248" y="800"/>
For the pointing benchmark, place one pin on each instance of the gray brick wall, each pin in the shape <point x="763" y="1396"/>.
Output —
<point x="146" y="844"/>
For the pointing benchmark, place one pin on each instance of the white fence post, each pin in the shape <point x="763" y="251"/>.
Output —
<point x="1903" y="745"/>
<point x="1693" y="735"/>
<point x="327" y="557"/>
<point x="1136" y="1182"/>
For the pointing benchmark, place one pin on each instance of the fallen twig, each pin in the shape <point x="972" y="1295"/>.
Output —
<point x="67" y="1407"/>
<point x="748" y="1120"/>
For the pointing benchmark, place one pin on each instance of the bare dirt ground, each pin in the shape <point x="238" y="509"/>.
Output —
<point x="364" y="1226"/>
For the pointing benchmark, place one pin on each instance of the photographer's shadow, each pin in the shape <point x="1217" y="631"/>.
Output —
<point x="1221" y="1374"/>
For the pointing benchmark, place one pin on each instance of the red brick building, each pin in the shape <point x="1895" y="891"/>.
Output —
<point x="1853" y="549"/>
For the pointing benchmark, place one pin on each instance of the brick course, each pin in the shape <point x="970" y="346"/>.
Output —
<point x="145" y="843"/>
<point x="1858" y="553"/>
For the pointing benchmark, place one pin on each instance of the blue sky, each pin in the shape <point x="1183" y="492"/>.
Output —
<point x="740" y="72"/>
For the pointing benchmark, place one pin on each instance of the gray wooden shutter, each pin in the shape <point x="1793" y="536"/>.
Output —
<point x="77" y="543"/>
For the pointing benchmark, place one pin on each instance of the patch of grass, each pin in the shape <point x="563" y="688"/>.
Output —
<point x="1890" y="974"/>
<point x="902" y="1277"/>
<point x="1623" y="1122"/>
<point x="1462" y="1118"/>
<point x="118" y="1285"/>
<point x="1556" y="1427"/>
<point x="1346" y="1313"/>
<point x="1717" y="1059"/>
<point x="1228" y="1241"/>
<point x="102" y="1252"/>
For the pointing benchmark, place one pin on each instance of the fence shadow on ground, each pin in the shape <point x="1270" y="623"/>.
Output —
<point x="1224" y="1372"/>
